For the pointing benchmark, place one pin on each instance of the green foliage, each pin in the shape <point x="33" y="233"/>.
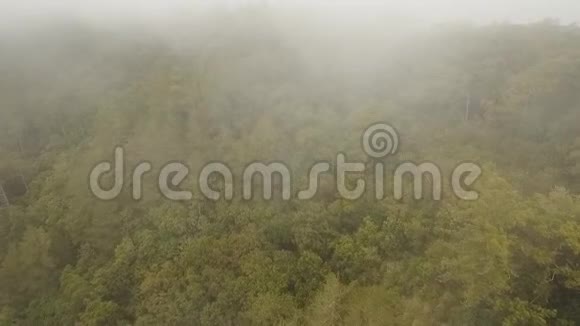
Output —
<point x="240" y="93"/>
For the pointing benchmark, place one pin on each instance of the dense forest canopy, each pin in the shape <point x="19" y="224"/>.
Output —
<point x="256" y="84"/>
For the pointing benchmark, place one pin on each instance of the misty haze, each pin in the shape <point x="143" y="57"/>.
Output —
<point x="290" y="163"/>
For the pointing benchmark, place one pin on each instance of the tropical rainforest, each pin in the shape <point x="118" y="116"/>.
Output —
<point x="259" y="85"/>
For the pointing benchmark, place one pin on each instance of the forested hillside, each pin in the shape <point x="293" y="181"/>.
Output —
<point x="256" y="86"/>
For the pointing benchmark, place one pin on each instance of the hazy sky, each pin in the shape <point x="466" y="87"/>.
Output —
<point x="428" y="11"/>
